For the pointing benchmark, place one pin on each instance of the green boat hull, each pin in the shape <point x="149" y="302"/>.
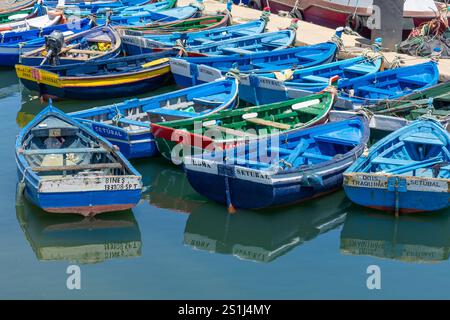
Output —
<point x="4" y="17"/>
<point x="241" y="125"/>
<point x="188" y="25"/>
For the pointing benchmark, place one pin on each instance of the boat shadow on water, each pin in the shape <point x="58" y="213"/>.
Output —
<point x="166" y="186"/>
<point x="263" y="236"/>
<point x="409" y="238"/>
<point x="76" y="239"/>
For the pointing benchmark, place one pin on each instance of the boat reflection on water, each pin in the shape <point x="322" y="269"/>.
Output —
<point x="411" y="238"/>
<point x="263" y="236"/>
<point x="9" y="83"/>
<point x="79" y="240"/>
<point x="166" y="186"/>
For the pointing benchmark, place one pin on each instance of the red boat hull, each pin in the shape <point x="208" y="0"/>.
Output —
<point x="334" y="16"/>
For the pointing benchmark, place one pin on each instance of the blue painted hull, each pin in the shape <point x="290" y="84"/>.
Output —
<point x="132" y="146"/>
<point x="410" y="202"/>
<point x="405" y="172"/>
<point x="262" y="196"/>
<point x="71" y="202"/>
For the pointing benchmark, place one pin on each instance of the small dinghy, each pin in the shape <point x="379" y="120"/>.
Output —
<point x="196" y="70"/>
<point x="99" y="43"/>
<point x="234" y="127"/>
<point x="127" y="125"/>
<point x="406" y="172"/>
<point x="64" y="167"/>
<point x="274" y="87"/>
<point x="14" y="44"/>
<point x="119" y="77"/>
<point x="285" y="169"/>
<point x="134" y="43"/>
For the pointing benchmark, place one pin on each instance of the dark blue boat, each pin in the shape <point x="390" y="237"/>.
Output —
<point x="406" y="172"/>
<point x="13" y="44"/>
<point x="288" y="168"/>
<point x="64" y="167"/>
<point x="127" y="125"/>
<point x="196" y="70"/>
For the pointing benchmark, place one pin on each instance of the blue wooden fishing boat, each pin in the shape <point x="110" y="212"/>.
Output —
<point x="127" y="125"/>
<point x="133" y="41"/>
<point x="407" y="171"/>
<point x="120" y="77"/>
<point x="99" y="43"/>
<point x="275" y="87"/>
<point x="142" y="18"/>
<point x="94" y="5"/>
<point x="242" y="46"/>
<point x="387" y="85"/>
<point x="190" y="71"/>
<point x="285" y="169"/>
<point x="124" y="10"/>
<point x="14" y="44"/>
<point x="64" y="167"/>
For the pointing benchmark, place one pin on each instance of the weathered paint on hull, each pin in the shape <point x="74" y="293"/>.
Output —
<point x="408" y="202"/>
<point x="81" y="202"/>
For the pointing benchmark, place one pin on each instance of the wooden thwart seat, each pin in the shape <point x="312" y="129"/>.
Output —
<point x="268" y="123"/>
<point x="95" y="166"/>
<point x="63" y="151"/>
<point x="233" y="132"/>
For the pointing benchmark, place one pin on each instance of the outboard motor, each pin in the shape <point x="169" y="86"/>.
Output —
<point x="53" y="45"/>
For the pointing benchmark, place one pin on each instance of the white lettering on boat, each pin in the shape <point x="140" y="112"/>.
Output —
<point x="366" y="181"/>
<point x="253" y="175"/>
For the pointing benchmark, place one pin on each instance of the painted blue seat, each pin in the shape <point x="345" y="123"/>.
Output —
<point x="314" y="78"/>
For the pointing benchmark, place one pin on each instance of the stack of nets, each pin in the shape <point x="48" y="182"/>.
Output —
<point x="426" y="37"/>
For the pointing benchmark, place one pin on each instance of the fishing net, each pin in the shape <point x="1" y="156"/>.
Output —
<point x="428" y="36"/>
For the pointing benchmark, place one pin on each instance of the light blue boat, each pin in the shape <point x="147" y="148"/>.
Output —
<point x="406" y="172"/>
<point x="127" y="125"/>
<point x="136" y="41"/>
<point x="196" y="70"/>
<point x="267" y="88"/>
<point x="64" y="167"/>
<point x="387" y="85"/>
<point x="94" y="5"/>
<point x="142" y="18"/>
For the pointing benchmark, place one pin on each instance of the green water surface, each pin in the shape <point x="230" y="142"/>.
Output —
<point x="177" y="245"/>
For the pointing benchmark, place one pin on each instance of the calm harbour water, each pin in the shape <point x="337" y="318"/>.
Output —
<point x="177" y="245"/>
